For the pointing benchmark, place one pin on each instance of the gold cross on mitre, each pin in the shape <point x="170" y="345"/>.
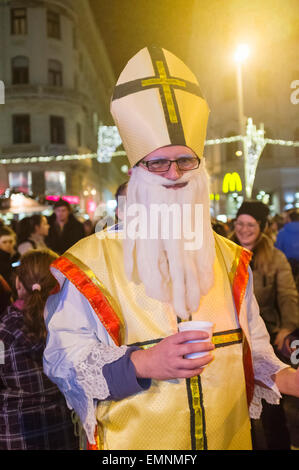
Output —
<point x="166" y="83"/>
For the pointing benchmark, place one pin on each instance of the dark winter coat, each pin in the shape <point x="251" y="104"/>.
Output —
<point x="61" y="240"/>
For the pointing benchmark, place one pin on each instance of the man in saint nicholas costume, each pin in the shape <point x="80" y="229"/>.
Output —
<point x="113" y="346"/>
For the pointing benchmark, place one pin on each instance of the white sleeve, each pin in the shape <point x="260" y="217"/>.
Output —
<point x="78" y="347"/>
<point x="265" y="362"/>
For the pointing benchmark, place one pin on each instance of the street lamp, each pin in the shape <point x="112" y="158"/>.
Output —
<point x="241" y="54"/>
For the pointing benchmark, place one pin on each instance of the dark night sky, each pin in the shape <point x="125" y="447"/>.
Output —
<point x="129" y="25"/>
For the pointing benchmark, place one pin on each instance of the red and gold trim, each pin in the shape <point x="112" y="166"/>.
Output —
<point x="97" y="295"/>
<point x="99" y="298"/>
<point x="239" y="284"/>
<point x="240" y="278"/>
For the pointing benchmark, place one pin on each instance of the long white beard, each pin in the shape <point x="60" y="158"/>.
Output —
<point x="170" y="272"/>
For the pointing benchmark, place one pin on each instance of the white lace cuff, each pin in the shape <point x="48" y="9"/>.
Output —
<point x="264" y="369"/>
<point x="87" y="383"/>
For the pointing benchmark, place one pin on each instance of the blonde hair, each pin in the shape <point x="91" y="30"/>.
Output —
<point x="35" y="270"/>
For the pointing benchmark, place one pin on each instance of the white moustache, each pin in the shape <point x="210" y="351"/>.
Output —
<point x="152" y="179"/>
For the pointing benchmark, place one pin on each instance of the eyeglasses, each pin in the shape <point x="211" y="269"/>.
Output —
<point x="249" y="225"/>
<point x="162" y="165"/>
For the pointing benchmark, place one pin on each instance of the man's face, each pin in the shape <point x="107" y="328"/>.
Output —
<point x="171" y="247"/>
<point x="62" y="214"/>
<point x="7" y="243"/>
<point x="173" y="152"/>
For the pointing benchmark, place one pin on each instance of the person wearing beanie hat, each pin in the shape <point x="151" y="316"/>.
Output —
<point x="258" y="210"/>
<point x="251" y="220"/>
<point x="277" y="296"/>
<point x="113" y="328"/>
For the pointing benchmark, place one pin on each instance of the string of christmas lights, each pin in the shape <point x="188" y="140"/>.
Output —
<point x="108" y="141"/>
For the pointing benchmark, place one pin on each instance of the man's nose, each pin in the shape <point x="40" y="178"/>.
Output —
<point x="174" y="172"/>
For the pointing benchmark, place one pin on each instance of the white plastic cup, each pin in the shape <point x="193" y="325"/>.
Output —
<point x="197" y="325"/>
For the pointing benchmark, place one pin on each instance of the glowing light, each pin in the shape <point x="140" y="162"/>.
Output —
<point x="91" y="206"/>
<point x="111" y="204"/>
<point x="239" y="153"/>
<point x="241" y="53"/>
<point x="289" y="198"/>
<point x="254" y="143"/>
<point x="222" y="218"/>
<point x="108" y="141"/>
<point x="125" y="168"/>
<point x="70" y="199"/>
<point x="107" y="150"/>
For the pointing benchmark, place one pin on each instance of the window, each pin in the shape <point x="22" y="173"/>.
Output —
<point x="20" y="181"/>
<point x="20" y="70"/>
<point x="54" y="73"/>
<point x="21" y="129"/>
<point x="55" y="182"/>
<point x="18" y="21"/>
<point x="57" y="130"/>
<point x="53" y="24"/>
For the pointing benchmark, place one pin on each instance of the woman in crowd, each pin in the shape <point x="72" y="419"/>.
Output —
<point x="33" y="412"/>
<point x="7" y="243"/>
<point x="32" y="232"/>
<point x="276" y="294"/>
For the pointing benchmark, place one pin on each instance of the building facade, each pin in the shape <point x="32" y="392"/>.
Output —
<point x="58" y="82"/>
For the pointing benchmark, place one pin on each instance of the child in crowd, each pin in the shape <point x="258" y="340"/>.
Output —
<point x="33" y="412"/>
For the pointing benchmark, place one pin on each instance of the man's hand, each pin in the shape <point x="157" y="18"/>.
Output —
<point x="287" y="380"/>
<point x="166" y="361"/>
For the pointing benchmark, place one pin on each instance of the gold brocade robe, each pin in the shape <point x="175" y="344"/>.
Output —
<point x="209" y="411"/>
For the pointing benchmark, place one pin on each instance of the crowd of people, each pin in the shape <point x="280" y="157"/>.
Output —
<point x="34" y="413"/>
<point x="98" y="332"/>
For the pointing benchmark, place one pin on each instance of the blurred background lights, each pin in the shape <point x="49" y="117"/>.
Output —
<point x="289" y="198"/>
<point x="111" y="204"/>
<point x="124" y="168"/>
